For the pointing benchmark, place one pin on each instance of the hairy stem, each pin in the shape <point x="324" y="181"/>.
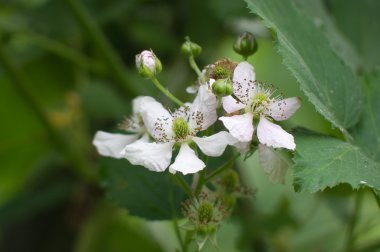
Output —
<point x="166" y="92"/>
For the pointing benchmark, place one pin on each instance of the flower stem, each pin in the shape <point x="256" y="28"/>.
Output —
<point x="183" y="184"/>
<point x="353" y="221"/>
<point x="113" y="61"/>
<point x="166" y="92"/>
<point x="178" y="234"/>
<point x="201" y="182"/>
<point x="194" y="66"/>
<point x="222" y="168"/>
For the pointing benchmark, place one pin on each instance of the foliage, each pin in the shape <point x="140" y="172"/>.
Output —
<point x="67" y="70"/>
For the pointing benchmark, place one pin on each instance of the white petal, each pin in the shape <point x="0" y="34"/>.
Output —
<point x="240" y="126"/>
<point x="231" y="105"/>
<point x="154" y="156"/>
<point x="182" y="111"/>
<point x="139" y="102"/>
<point x="215" y="145"/>
<point x="186" y="161"/>
<point x="244" y="81"/>
<point x="243" y="146"/>
<point x="203" y="109"/>
<point x="283" y="109"/>
<point x="192" y="89"/>
<point x="143" y="139"/>
<point x="274" y="165"/>
<point x="110" y="145"/>
<point x="273" y="135"/>
<point x="158" y="121"/>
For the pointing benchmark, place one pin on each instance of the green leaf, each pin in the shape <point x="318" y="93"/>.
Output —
<point x="322" y="162"/>
<point x="359" y="21"/>
<point x="340" y="43"/>
<point x="367" y="133"/>
<point x="147" y="194"/>
<point x="329" y="84"/>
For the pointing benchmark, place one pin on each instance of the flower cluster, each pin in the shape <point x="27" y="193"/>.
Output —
<point x="226" y="92"/>
<point x="155" y="132"/>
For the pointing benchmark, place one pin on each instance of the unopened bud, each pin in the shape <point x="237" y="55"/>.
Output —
<point x="245" y="44"/>
<point x="230" y="181"/>
<point x="148" y="64"/>
<point x="189" y="48"/>
<point x="222" y="87"/>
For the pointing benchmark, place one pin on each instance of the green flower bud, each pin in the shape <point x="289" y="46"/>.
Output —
<point x="189" y="48"/>
<point x="222" y="87"/>
<point x="148" y="64"/>
<point x="230" y="180"/>
<point x="245" y="44"/>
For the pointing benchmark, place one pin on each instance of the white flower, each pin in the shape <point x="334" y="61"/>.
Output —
<point x="179" y="128"/>
<point x="111" y="145"/>
<point x="257" y="102"/>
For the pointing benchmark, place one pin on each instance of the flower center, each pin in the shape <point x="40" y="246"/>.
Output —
<point x="180" y="128"/>
<point x="259" y="103"/>
<point x="205" y="212"/>
<point x="221" y="73"/>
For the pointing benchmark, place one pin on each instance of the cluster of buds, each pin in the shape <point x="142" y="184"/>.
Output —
<point x="229" y="188"/>
<point x="204" y="216"/>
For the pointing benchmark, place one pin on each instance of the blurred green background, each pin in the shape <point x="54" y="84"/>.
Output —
<point x="67" y="70"/>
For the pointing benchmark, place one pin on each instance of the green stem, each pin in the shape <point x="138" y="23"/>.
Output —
<point x="351" y="225"/>
<point x="65" y="52"/>
<point x="222" y="168"/>
<point x="373" y="246"/>
<point x="102" y="45"/>
<point x="194" y="66"/>
<point x="182" y="183"/>
<point x="178" y="234"/>
<point x="188" y="239"/>
<point x="200" y="183"/>
<point x="79" y="163"/>
<point x="377" y="198"/>
<point x="201" y="180"/>
<point x="166" y="92"/>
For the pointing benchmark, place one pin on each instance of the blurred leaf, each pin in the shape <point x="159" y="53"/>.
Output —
<point x="102" y="102"/>
<point x="359" y="21"/>
<point x="35" y="200"/>
<point x="112" y="230"/>
<point x="147" y="194"/>
<point x="367" y="132"/>
<point x="322" y="162"/>
<point x="329" y="84"/>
